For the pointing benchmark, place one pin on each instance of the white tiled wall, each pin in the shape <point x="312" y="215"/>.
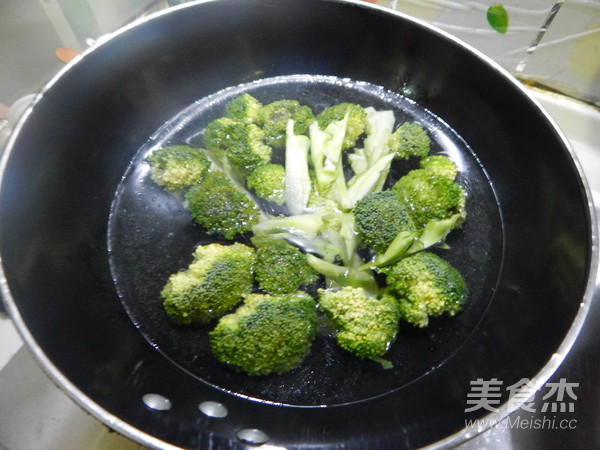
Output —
<point x="467" y="21"/>
<point x="567" y="58"/>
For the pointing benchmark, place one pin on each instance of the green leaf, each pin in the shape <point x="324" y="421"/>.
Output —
<point x="497" y="17"/>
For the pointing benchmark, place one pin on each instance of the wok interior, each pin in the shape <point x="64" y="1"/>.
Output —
<point x="69" y="157"/>
<point x="145" y="216"/>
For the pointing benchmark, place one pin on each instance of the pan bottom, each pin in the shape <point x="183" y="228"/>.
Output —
<point x="152" y="236"/>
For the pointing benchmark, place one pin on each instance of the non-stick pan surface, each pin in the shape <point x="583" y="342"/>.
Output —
<point x="87" y="240"/>
<point x="152" y="236"/>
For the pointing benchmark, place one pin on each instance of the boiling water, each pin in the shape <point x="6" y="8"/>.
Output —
<point x="151" y="236"/>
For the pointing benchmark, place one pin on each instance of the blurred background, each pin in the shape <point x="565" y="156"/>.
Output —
<point x="555" y="44"/>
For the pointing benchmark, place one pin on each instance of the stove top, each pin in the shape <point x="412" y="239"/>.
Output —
<point x="36" y="414"/>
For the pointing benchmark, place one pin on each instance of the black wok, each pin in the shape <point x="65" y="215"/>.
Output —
<point x="86" y="240"/>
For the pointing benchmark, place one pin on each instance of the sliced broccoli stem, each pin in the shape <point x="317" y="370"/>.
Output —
<point x="409" y="242"/>
<point x="396" y="250"/>
<point x="326" y="152"/>
<point x="379" y="130"/>
<point x="311" y="243"/>
<point x="385" y="364"/>
<point x="435" y="232"/>
<point x="306" y="224"/>
<point x="297" y="180"/>
<point x="344" y="276"/>
<point x="369" y="180"/>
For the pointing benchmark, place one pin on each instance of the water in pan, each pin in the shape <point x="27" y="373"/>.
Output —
<point x="151" y="236"/>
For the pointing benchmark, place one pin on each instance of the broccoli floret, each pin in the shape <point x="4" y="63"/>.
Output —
<point x="178" y="166"/>
<point x="380" y="216"/>
<point x="281" y="268"/>
<point x="429" y="196"/>
<point x="244" y="108"/>
<point x="219" y="207"/>
<point x="410" y="139"/>
<point x="267" y="334"/>
<point x="248" y="149"/>
<point x="440" y="165"/>
<point x="242" y="143"/>
<point x="366" y="325"/>
<point x="268" y="182"/>
<point x="216" y="280"/>
<point x="218" y="133"/>
<point x="357" y="119"/>
<point x="274" y="118"/>
<point x="425" y="285"/>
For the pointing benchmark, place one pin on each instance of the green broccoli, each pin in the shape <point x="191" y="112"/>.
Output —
<point x="281" y="268"/>
<point x="219" y="133"/>
<point x="327" y="160"/>
<point x="434" y="204"/>
<point x="301" y="224"/>
<point x="308" y="231"/>
<point x="244" y="108"/>
<point x="298" y="182"/>
<point x="380" y="216"/>
<point x="440" y="165"/>
<point x="178" y="166"/>
<point x="219" y="207"/>
<point x="430" y="196"/>
<point x="339" y="229"/>
<point x="216" y="280"/>
<point x="425" y="285"/>
<point x="337" y="214"/>
<point x="268" y="182"/>
<point x="341" y="276"/>
<point x="408" y="242"/>
<point x="366" y="325"/>
<point x="267" y="334"/>
<point x="274" y="118"/>
<point x="242" y="143"/>
<point x="357" y="119"/>
<point x="410" y="139"/>
<point x="371" y="164"/>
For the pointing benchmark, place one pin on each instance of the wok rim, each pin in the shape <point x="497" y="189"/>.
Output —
<point x="465" y="434"/>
